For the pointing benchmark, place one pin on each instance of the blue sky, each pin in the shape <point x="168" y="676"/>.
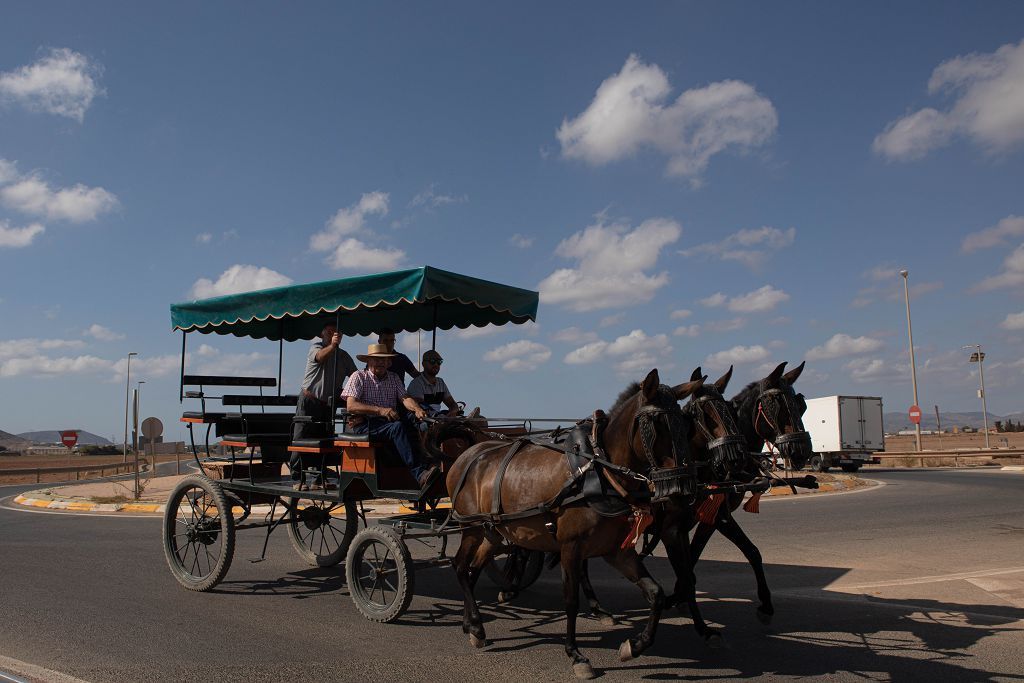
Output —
<point x="687" y="184"/>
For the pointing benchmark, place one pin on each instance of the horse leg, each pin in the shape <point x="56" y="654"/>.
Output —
<point x="599" y="613"/>
<point x="678" y="550"/>
<point x="572" y="569"/>
<point x="729" y="528"/>
<point x="474" y="551"/>
<point x="629" y="565"/>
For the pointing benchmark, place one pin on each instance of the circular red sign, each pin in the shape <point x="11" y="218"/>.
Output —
<point x="915" y="414"/>
<point x="69" y="439"/>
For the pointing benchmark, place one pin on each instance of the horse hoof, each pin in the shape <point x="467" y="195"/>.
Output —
<point x="625" y="651"/>
<point x="608" y="620"/>
<point x="477" y="642"/>
<point x="584" y="670"/>
<point x="764" y="617"/>
<point x="714" y="640"/>
<point x="504" y="597"/>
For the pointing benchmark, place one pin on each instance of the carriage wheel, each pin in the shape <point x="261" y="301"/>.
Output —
<point x="516" y="570"/>
<point x="379" y="573"/>
<point x="320" y="538"/>
<point x="199" y="533"/>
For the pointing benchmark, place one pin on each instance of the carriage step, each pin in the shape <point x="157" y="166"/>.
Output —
<point x="254" y="560"/>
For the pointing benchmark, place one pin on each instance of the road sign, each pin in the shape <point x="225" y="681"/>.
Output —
<point x="69" y="438"/>
<point x="152" y="428"/>
<point x="915" y="414"/>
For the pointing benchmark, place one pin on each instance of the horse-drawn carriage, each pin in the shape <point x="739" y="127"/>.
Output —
<point x="648" y="459"/>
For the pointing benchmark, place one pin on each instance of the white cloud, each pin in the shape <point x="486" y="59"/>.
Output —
<point x="573" y="335"/>
<point x="102" y="333"/>
<point x="204" y="238"/>
<point x="431" y="199"/>
<point x="840" y="345"/>
<point x="633" y="351"/>
<point x="884" y="272"/>
<point x="12" y="348"/>
<point x="989" y="109"/>
<point x="144" y="367"/>
<point x="629" y="113"/>
<point x="872" y="370"/>
<point x="237" y="364"/>
<point x="15" y="238"/>
<point x="520" y="241"/>
<point x="737" y="355"/>
<point x="529" y="328"/>
<point x="730" y="325"/>
<point x="62" y="82"/>
<point x="239" y="278"/>
<point x="44" y="366"/>
<point x="349" y="221"/>
<point x="1011" y="226"/>
<point x="1012" y="275"/>
<point x="680" y="314"/>
<point x="714" y="301"/>
<point x="610" y="320"/>
<point x="33" y="195"/>
<point x="519" y="356"/>
<point x="764" y="299"/>
<point x="588" y="353"/>
<point x="611" y="264"/>
<point x="749" y="247"/>
<point x="353" y="254"/>
<point x="1013" y="321"/>
<point x="687" y="331"/>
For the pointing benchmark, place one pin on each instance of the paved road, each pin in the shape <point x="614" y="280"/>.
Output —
<point x="920" y="579"/>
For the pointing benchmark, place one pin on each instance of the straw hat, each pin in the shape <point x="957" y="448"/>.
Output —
<point x="375" y="351"/>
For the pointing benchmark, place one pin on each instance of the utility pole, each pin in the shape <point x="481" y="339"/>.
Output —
<point x="913" y="366"/>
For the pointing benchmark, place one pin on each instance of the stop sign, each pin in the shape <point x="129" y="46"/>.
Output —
<point x="915" y="414"/>
<point x="69" y="438"/>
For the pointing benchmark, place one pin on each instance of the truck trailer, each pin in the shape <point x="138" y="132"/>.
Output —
<point x="846" y="431"/>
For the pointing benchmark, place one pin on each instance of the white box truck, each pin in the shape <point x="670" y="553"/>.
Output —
<point x="845" y="431"/>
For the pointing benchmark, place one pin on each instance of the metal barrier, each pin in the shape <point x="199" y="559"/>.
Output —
<point x="955" y="456"/>
<point x="39" y="471"/>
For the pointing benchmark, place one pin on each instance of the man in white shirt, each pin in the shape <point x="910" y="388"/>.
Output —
<point x="430" y="391"/>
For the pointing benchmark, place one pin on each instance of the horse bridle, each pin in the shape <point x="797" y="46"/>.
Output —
<point x="667" y="481"/>
<point x="727" y="451"/>
<point x="795" y="438"/>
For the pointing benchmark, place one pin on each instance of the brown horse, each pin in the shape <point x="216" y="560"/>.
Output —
<point x="645" y="436"/>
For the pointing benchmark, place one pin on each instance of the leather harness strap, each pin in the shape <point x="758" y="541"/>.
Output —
<point x="500" y="475"/>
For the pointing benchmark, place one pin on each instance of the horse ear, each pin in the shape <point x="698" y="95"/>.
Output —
<point x="650" y="384"/>
<point x="697" y="374"/>
<point x="684" y="390"/>
<point x="777" y="372"/>
<point x="793" y="374"/>
<point x="723" y="381"/>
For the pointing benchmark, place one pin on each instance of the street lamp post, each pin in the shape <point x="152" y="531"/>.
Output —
<point x="913" y="365"/>
<point x="127" y="386"/>
<point x="979" y="358"/>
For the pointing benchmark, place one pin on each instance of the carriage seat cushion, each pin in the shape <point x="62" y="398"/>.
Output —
<point x="204" y="416"/>
<point x="259" y="439"/>
<point x="352" y="436"/>
<point x="314" y="443"/>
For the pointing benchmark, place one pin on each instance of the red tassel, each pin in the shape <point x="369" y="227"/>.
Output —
<point x="641" y="519"/>
<point x="753" y="505"/>
<point x="708" y="510"/>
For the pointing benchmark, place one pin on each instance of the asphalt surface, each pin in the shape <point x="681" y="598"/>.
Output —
<point x="920" y="579"/>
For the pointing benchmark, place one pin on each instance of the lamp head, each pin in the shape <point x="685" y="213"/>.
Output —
<point x="904" y="273"/>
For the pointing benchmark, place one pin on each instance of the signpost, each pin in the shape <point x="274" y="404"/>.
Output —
<point x="915" y="414"/>
<point x="69" y="437"/>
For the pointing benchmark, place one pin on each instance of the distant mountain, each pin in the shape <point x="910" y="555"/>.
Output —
<point x="84" y="438"/>
<point x="12" y="442"/>
<point x="896" y="422"/>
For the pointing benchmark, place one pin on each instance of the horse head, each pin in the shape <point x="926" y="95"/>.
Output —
<point x="648" y="432"/>
<point x="717" y="439"/>
<point x="777" y="412"/>
<point x="445" y="439"/>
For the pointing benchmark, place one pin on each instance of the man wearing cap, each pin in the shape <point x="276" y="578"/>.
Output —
<point x="373" y="396"/>
<point x="429" y="390"/>
<point x="324" y="355"/>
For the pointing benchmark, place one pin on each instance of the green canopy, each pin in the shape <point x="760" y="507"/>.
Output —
<point x="417" y="299"/>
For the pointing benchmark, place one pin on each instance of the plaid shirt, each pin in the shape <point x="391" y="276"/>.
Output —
<point x="365" y="388"/>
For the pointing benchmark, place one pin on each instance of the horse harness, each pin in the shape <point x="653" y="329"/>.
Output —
<point x="796" y="438"/>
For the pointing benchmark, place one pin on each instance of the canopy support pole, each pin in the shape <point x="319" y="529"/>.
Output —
<point x="181" y="375"/>
<point x="433" y="330"/>
<point x="334" y="377"/>
<point x="280" y="356"/>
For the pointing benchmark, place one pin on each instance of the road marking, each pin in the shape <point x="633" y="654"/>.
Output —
<point x="1010" y="590"/>
<point x="938" y="578"/>
<point x="34" y="672"/>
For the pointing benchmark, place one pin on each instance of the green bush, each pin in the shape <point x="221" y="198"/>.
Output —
<point x="99" y="450"/>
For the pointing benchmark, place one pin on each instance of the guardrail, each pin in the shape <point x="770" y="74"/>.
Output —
<point x="39" y="471"/>
<point x="936" y="457"/>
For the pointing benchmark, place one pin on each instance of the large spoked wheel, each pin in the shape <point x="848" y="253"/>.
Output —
<point x="199" y="533"/>
<point x="516" y="570"/>
<point x="322" y="531"/>
<point x="379" y="573"/>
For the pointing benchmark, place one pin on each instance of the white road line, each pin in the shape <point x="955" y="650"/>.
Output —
<point x="929" y="579"/>
<point x="34" y="672"/>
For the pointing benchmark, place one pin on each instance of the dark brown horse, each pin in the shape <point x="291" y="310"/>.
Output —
<point x="645" y="438"/>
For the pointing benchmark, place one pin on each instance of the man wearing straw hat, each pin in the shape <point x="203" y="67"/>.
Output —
<point x="373" y="396"/>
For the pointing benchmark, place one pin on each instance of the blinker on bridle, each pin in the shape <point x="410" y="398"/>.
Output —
<point x="795" y="438"/>
<point x="667" y="481"/>
<point x="729" y="450"/>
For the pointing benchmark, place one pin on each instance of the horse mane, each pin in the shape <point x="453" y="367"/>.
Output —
<point x="627" y="393"/>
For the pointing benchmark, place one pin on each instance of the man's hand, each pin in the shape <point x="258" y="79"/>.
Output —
<point x="389" y="414"/>
<point x="335" y="340"/>
<point x="419" y="413"/>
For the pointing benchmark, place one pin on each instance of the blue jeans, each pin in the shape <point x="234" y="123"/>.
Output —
<point x="402" y="433"/>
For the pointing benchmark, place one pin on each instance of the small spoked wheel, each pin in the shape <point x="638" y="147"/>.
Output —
<point x="379" y="573"/>
<point x="199" y="533"/>
<point x="321" y="531"/>
<point x="516" y="570"/>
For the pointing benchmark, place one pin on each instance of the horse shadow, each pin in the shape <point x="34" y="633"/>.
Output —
<point x="816" y="632"/>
